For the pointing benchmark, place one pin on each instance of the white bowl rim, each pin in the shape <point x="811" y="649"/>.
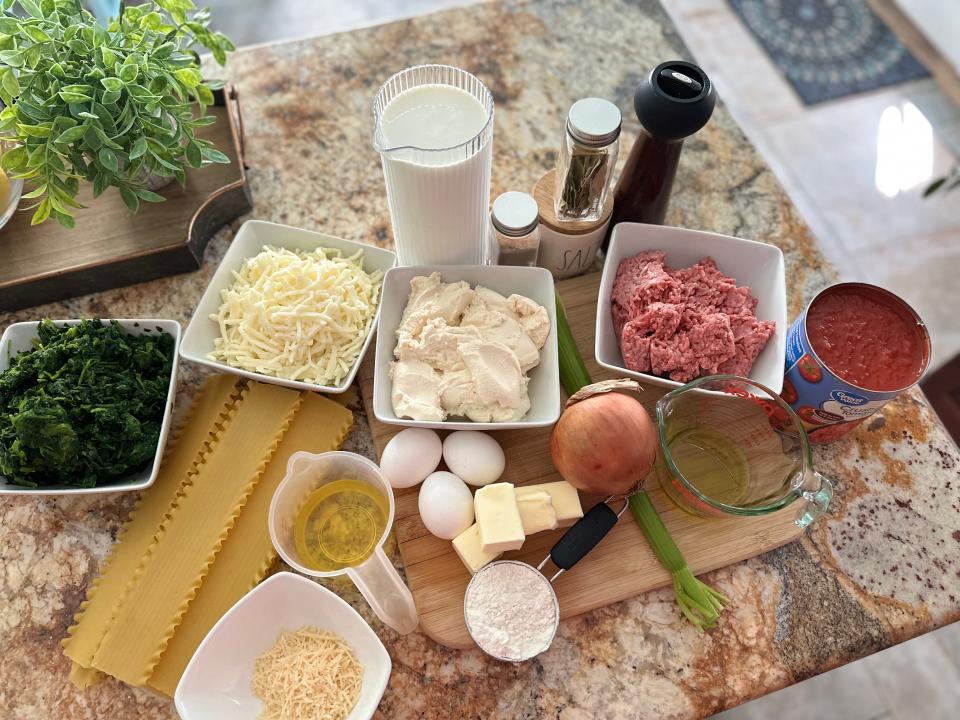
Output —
<point x="281" y="577"/>
<point x="392" y="419"/>
<point x="119" y="486"/>
<point x="202" y="359"/>
<point x="603" y="319"/>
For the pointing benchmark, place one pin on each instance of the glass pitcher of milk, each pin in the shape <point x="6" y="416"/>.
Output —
<point x="434" y="133"/>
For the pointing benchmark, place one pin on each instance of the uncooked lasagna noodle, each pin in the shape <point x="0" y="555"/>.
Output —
<point x="203" y="512"/>
<point x="184" y="450"/>
<point x="246" y="556"/>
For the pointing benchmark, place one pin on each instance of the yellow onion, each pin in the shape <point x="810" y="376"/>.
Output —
<point x="604" y="442"/>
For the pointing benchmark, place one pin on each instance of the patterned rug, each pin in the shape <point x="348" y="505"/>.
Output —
<point x="828" y="49"/>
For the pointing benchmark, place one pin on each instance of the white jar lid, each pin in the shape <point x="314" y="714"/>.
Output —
<point x="594" y="121"/>
<point x="515" y="213"/>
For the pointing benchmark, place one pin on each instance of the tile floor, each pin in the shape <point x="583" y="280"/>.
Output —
<point x="855" y="168"/>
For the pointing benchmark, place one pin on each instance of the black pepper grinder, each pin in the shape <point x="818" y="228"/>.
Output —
<point x="672" y="103"/>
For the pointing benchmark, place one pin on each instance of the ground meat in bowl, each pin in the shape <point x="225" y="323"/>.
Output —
<point x="685" y="323"/>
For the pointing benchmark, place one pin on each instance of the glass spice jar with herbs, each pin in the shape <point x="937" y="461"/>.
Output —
<point x="587" y="159"/>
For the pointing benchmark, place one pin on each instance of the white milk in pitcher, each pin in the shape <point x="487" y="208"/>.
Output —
<point x="436" y="162"/>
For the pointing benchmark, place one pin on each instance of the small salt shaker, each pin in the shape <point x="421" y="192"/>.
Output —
<point x="515" y="224"/>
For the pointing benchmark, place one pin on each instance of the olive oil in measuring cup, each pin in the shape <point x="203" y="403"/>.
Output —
<point x="717" y="462"/>
<point x="340" y="525"/>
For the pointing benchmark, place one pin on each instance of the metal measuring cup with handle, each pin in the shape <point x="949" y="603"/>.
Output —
<point x="573" y="546"/>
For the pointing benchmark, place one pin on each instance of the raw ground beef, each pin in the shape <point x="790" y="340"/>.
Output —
<point x="685" y="323"/>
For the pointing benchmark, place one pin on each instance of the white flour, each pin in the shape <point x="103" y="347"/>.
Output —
<point x="511" y="610"/>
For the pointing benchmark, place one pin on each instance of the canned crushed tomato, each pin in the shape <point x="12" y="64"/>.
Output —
<point x="852" y="349"/>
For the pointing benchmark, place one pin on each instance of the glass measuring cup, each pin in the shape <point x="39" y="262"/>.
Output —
<point x="375" y="577"/>
<point x="729" y="446"/>
<point x="439" y="197"/>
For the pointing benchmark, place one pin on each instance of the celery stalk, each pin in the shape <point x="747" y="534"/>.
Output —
<point x="573" y="371"/>
<point x="698" y="602"/>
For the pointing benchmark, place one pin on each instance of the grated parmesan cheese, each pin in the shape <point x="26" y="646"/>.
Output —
<point x="310" y="674"/>
<point x="297" y="315"/>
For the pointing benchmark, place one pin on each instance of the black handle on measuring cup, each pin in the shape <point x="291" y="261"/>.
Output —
<point x="583" y="537"/>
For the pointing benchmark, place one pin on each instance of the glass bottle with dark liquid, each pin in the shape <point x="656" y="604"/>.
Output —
<point x="672" y="103"/>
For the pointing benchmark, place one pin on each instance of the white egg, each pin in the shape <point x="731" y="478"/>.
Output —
<point x="474" y="456"/>
<point x="446" y="505"/>
<point x="410" y="456"/>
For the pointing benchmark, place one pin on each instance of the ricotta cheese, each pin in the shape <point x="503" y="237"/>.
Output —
<point x="464" y="352"/>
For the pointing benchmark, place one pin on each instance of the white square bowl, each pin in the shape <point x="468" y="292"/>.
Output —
<point x="752" y="263"/>
<point x="198" y="340"/>
<point x="535" y="283"/>
<point x="19" y="337"/>
<point x="216" y="683"/>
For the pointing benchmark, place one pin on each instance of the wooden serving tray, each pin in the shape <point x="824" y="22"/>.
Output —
<point x="621" y="566"/>
<point x="111" y="248"/>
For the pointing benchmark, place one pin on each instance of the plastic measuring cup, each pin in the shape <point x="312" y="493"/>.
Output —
<point x="376" y="578"/>
<point x="730" y="446"/>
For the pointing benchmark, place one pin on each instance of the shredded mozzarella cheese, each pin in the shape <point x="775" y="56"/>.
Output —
<point x="297" y="315"/>
<point x="310" y="674"/>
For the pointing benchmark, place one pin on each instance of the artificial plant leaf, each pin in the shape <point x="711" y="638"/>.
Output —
<point x="130" y="198"/>
<point x="215" y="156"/>
<point x="149" y="196"/>
<point x="71" y="135"/>
<point x="188" y="76"/>
<point x="128" y="72"/>
<point x="139" y="148"/>
<point x="32" y="55"/>
<point x="112" y="84"/>
<point x="13" y="58"/>
<point x="35" y="33"/>
<point x="37" y="131"/>
<point x="204" y="94"/>
<point x="107" y="56"/>
<point x="10" y="83"/>
<point x="32" y="8"/>
<point x="42" y="212"/>
<point x="72" y="97"/>
<point x="38" y="191"/>
<point x="64" y="218"/>
<point x="194" y="154"/>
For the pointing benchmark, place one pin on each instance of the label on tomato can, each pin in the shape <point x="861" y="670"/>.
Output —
<point x="828" y="406"/>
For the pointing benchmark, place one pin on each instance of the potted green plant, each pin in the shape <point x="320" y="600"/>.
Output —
<point x="114" y="106"/>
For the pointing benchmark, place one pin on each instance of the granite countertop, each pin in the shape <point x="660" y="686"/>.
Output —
<point x="884" y="567"/>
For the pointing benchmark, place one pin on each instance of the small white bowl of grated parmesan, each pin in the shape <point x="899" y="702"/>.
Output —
<point x="290" y="307"/>
<point x="289" y="648"/>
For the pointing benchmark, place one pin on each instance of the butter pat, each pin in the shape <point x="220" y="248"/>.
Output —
<point x="536" y="511"/>
<point x="468" y="546"/>
<point x="564" y="497"/>
<point x="499" y="518"/>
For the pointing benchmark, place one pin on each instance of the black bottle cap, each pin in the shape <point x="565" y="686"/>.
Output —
<point x="675" y="100"/>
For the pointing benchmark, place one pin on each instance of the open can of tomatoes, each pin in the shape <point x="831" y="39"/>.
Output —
<point x="852" y="349"/>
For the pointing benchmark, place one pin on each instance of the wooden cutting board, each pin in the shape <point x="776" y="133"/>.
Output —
<point x="621" y="566"/>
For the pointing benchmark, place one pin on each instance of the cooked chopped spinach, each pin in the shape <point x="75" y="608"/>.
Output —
<point x="84" y="406"/>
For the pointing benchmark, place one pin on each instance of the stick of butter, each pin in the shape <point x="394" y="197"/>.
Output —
<point x="566" y="501"/>
<point x="536" y="511"/>
<point x="498" y="517"/>
<point x="468" y="547"/>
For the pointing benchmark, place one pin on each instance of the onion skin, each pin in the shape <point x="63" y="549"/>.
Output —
<point x="605" y="444"/>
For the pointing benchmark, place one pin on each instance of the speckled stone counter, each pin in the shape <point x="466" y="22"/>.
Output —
<point x="883" y="568"/>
